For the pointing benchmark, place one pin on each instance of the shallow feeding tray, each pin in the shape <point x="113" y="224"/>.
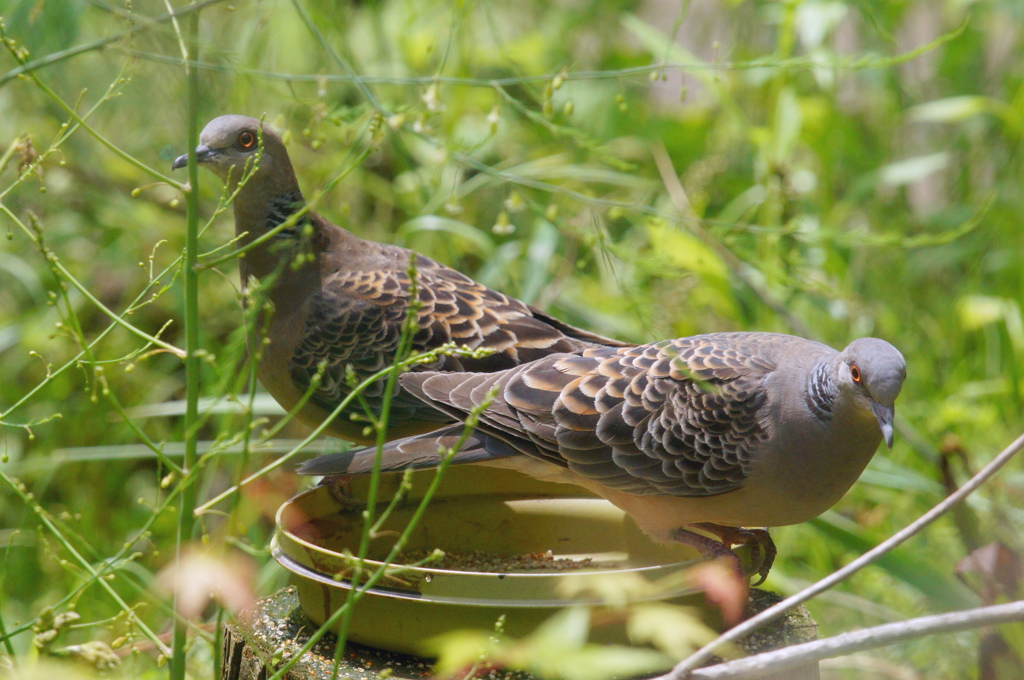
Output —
<point x="475" y="510"/>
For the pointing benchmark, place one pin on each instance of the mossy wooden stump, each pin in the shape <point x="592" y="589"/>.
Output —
<point x="275" y="627"/>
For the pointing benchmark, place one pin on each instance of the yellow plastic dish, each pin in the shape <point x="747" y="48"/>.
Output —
<point x="476" y="509"/>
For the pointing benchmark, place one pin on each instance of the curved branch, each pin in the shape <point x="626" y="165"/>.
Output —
<point x="780" y="660"/>
<point x="684" y="669"/>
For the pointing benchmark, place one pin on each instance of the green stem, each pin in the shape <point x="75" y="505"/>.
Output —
<point x="57" y="57"/>
<point x="85" y="564"/>
<point x="3" y="629"/>
<point x="409" y="328"/>
<point x="186" y="516"/>
<point x="428" y="356"/>
<point x="367" y="93"/>
<point x="141" y="434"/>
<point x="293" y="219"/>
<point x="119" y="320"/>
<point x="75" y="359"/>
<point x="218" y="644"/>
<point x="384" y="569"/>
<point x="81" y="120"/>
<point x="109" y="566"/>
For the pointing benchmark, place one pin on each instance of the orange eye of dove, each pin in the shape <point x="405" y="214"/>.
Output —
<point x="247" y="140"/>
<point x="855" y="374"/>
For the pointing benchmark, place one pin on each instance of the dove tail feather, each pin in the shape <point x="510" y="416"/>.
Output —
<point x="417" y="453"/>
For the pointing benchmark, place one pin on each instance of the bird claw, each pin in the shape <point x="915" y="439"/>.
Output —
<point x="762" y="546"/>
<point x="765" y="551"/>
<point x="339" y="487"/>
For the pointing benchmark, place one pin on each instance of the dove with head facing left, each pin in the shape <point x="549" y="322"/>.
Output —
<point x="339" y="301"/>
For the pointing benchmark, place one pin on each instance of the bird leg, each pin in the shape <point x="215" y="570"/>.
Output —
<point x="340" y="489"/>
<point x="763" y="545"/>
<point x="760" y="539"/>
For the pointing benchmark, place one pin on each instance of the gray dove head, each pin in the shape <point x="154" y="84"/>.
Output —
<point x="873" y="371"/>
<point x="227" y="143"/>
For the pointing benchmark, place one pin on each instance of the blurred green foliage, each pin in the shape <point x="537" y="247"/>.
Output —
<point x="644" y="169"/>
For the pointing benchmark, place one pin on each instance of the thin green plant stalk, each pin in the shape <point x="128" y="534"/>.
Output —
<point x="56" y="265"/>
<point x="81" y="121"/>
<point x="247" y="434"/>
<point x="396" y="499"/>
<point x="52" y="374"/>
<point x="371" y="526"/>
<point x="249" y="362"/>
<point x="66" y="130"/>
<point x="218" y="643"/>
<point x="84" y="290"/>
<point x="682" y="65"/>
<point x="357" y="591"/>
<point x="86" y="565"/>
<point x="249" y="318"/>
<point x="3" y="628"/>
<point x="70" y="319"/>
<point x="108" y="567"/>
<point x="401" y="362"/>
<point x="384" y="569"/>
<point x="141" y="434"/>
<point x="360" y="84"/>
<point x="91" y="361"/>
<point x="448" y="349"/>
<point x="272" y="431"/>
<point x="409" y="329"/>
<point x="293" y="219"/>
<point x="145" y="23"/>
<point x="186" y="516"/>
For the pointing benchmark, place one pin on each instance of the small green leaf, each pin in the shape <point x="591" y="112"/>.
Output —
<point x="684" y="251"/>
<point x="446" y="225"/>
<point x="538" y="260"/>
<point x="566" y="630"/>
<point x="675" y="630"/>
<point x="976" y="311"/>
<point x="788" y="121"/>
<point x="910" y="170"/>
<point x="460" y="649"/>
<point x="601" y="662"/>
<point x="950" y="110"/>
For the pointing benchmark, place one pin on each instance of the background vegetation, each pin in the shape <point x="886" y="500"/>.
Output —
<point x="643" y="169"/>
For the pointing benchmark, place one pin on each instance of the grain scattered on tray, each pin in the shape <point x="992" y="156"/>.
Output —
<point x="476" y="560"/>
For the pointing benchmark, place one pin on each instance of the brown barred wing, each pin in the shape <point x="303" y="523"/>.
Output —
<point x="458" y="309"/>
<point x="677" y="417"/>
<point x="355" y="322"/>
